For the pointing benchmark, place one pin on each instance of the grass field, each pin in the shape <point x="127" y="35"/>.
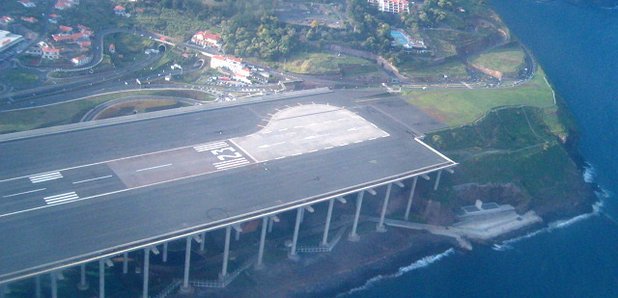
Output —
<point x="506" y="60"/>
<point x="321" y="63"/>
<point x="456" y="107"/>
<point x="18" y="78"/>
<point x="69" y="112"/>
<point x="417" y="71"/>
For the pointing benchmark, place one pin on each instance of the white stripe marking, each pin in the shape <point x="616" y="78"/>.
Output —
<point x="23" y="193"/>
<point x="92" y="179"/>
<point x="45" y="177"/>
<point x="232" y="165"/>
<point x="61" y="198"/>
<point x="311" y="137"/>
<point x="229" y="161"/>
<point x="352" y="129"/>
<point x="153" y="168"/>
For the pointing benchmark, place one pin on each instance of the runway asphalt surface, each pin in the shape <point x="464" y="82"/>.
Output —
<point x="74" y="196"/>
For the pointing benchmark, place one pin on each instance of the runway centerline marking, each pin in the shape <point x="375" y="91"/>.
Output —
<point x="154" y="168"/>
<point x="93" y="179"/>
<point x="23" y="193"/>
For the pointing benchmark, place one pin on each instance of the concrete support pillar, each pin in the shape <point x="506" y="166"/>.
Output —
<point x="226" y="252"/>
<point x="410" y="198"/>
<point x="203" y="243"/>
<point x="101" y="278"/>
<point x="54" y="284"/>
<point x="435" y="186"/>
<point x="359" y="203"/>
<point x="329" y="214"/>
<point x="125" y="262"/>
<point x="164" y="257"/>
<point x="83" y="284"/>
<point x="302" y="215"/>
<point x="185" y="288"/>
<point x="380" y="227"/>
<point x="299" y="214"/>
<point x="270" y="225"/>
<point x="259" y="264"/>
<point x="37" y="286"/>
<point x="146" y="272"/>
<point x="237" y="235"/>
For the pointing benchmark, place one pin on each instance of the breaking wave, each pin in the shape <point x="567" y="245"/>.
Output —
<point x="424" y="262"/>
<point x="589" y="176"/>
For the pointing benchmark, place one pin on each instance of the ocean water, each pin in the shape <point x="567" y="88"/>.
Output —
<point x="577" y="45"/>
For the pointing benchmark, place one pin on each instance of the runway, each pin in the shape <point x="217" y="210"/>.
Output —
<point x="66" y="197"/>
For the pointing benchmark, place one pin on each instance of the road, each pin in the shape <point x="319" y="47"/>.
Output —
<point x="71" y="196"/>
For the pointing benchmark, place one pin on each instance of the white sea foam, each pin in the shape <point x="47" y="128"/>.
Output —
<point x="589" y="173"/>
<point x="424" y="262"/>
<point x="552" y="226"/>
<point x="589" y="176"/>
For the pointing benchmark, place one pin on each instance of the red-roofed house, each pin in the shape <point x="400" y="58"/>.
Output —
<point x="75" y="37"/>
<point x="84" y="44"/>
<point x="50" y="52"/>
<point x="63" y="4"/>
<point x="120" y="10"/>
<point x="207" y="39"/>
<point x="5" y="20"/>
<point x="65" y="29"/>
<point x="29" y="19"/>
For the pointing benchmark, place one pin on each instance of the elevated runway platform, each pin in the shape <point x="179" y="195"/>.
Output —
<point x="85" y="192"/>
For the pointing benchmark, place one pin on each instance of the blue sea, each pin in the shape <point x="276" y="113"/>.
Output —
<point x="577" y="45"/>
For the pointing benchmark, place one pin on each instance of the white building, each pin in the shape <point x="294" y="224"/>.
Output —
<point x="392" y="6"/>
<point x="206" y="39"/>
<point x="8" y="39"/>
<point x="81" y="60"/>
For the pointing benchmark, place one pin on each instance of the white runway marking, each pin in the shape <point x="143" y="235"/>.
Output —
<point x="353" y="129"/>
<point x="92" y="179"/>
<point x="228" y="164"/>
<point x="45" y="177"/>
<point x="311" y="137"/>
<point x="61" y="198"/>
<point x="210" y="146"/>
<point x="154" y="168"/>
<point x="23" y="193"/>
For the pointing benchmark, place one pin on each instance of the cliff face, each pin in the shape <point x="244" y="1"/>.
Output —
<point x="511" y="157"/>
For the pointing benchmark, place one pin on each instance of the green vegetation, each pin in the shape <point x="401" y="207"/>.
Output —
<point x="322" y="63"/>
<point x="511" y="145"/>
<point x="454" y="70"/>
<point x="507" y="60"/>
<point x="18" y="78"/>
<point x="95" y="14"/>
<point x="73" y="111"/>
<point x="129" y="47"/>
<point x="461" y="106"/>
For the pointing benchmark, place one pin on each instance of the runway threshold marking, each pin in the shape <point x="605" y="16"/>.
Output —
<point x="153" y="168"/>
<point x="45" y="177"/>
<point x="61" y="198"/>
<point x="92" y="179"/>
<point x="23" y="193"/>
